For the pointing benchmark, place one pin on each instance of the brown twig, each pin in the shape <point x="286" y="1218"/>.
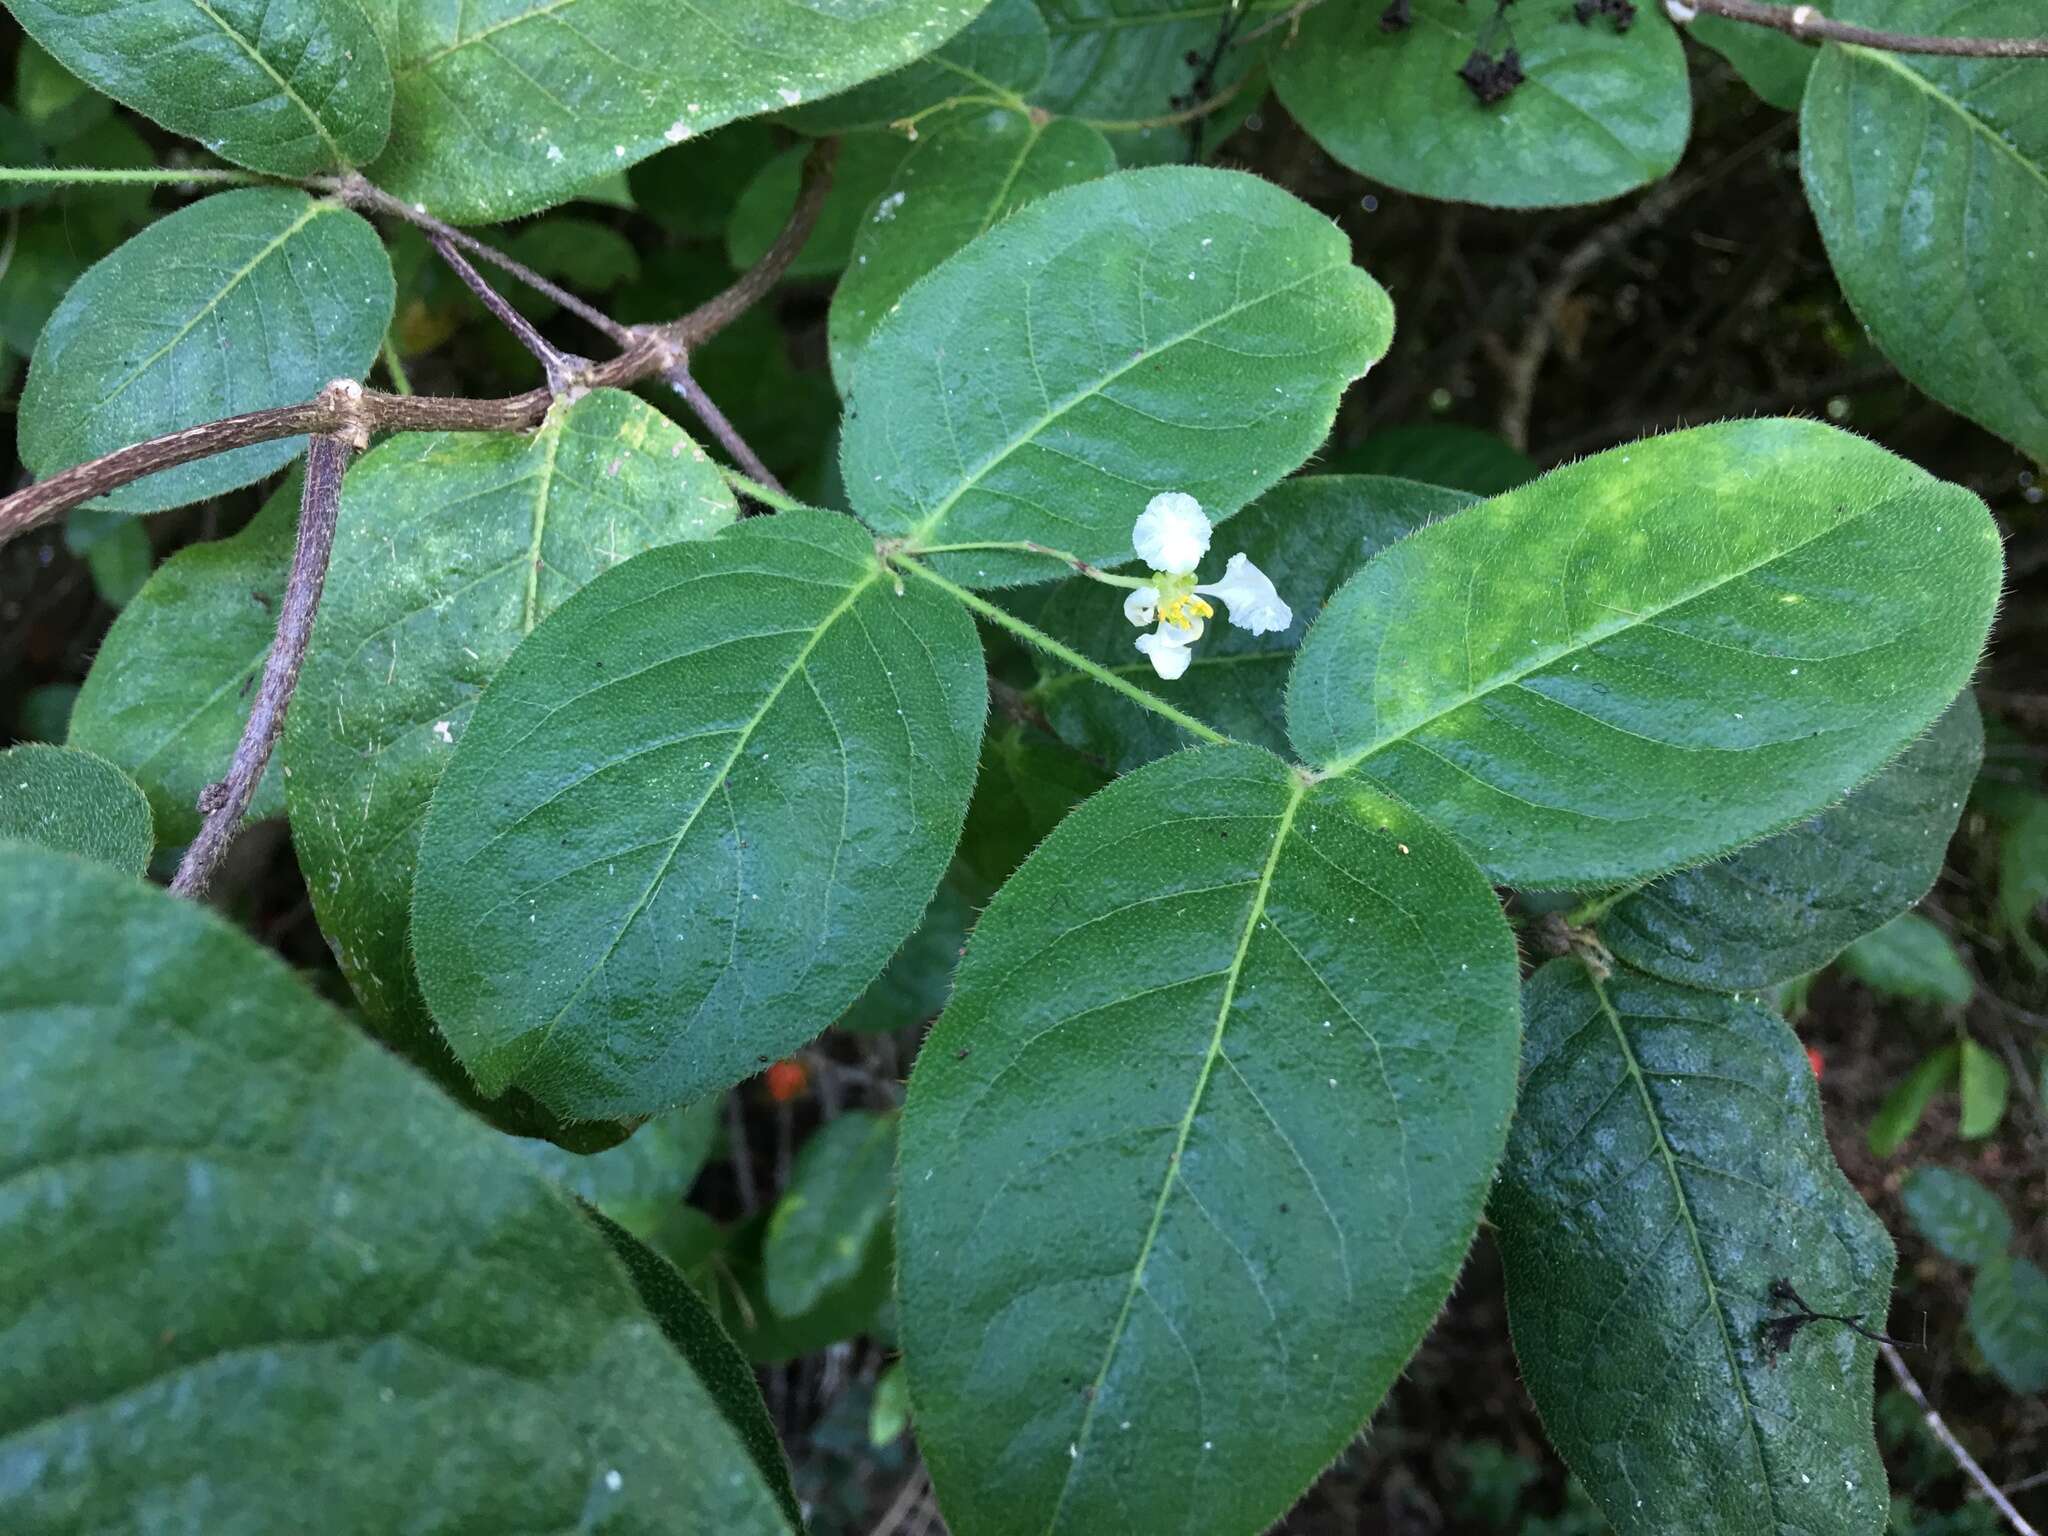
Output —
<point x="561" y="369"/>
<point x="357" y="192"/>
<point x="705" y="410"/>
<point x="1809" y="26"/>
<point x="224" y="803"/>
<point x="647" y="352"/>
<point x="753" y="285"/>
<point x="1940" y="1430"/>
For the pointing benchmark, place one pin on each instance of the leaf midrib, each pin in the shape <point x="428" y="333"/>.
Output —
<point x="746" y="734"/>
<point x="1030" y="432"/>
<point x="1592" y="637"/>
<point x="1998" y="141"/>
<point x="341" y="160"/>
<point x="1751" y="1431"/>
<point x="1298" y="791"/>
<point x="312" y="211"/>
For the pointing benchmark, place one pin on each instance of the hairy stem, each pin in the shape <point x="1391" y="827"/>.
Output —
<point x="145" y="176"/>
<point x="1074" y="562"/>
<point x="223" y="804"/>
<point x="715" y="422"/>
<point x="753" y="490"/>
<point x="560" y="368"/>
<point x="753" y="285"/>
<point x="1809" y="26"/>
<point x="1032" y="635"/>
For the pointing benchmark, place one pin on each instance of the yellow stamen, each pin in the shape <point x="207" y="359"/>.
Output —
<point x="1182" y="612"/>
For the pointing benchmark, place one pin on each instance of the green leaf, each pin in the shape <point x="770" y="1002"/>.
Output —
<point x="116" y="551"/>
<point x="276" y="1272"/>
<point x="247" y="300"/>
<point x="1655" y="654"/>
<point x="61" y="798"/>
<point x="914" y="985"/>
<point x="637" y="1182"/>
<point x="2009" y="1321"/>
<point x="865" y="164"/>
<point x="1958" y="1215"/>
<point x="1191" y="1160"/>
<point x="1790" y="904"/>
<point x="1438" y="453"/>
<point x="1771" y="64"/>
<point x="694" y="815"/>
<point x="293" y="87"/>
<point x="1929" y="180"/>
<point x="1309" y="535"/>
<point x="1001" y="54"/>
<point x="169" y="692"/>
<point x="2023" y="878"/>
<point x="838" y="1199"/>
<point x="1600" y="113"/>
<point x="56" y="103"/>
<point x="1909" y="957"/>
<point x="847" y="1311"/>
<point x="451" y="549"/>
<point x="603" y="86"/>
<point x="1984" y="1084"/>
<point x="1122" y="66"/>
<point x="1901" y="1112"/>
<point x="970" y="170"/>
<point x="686" y="1322"/>
<point x="1028" y="783"/>
<point x="1645" y="1223"/>
<point x="1172" y="329"/>
<point x="889" y="1414"/>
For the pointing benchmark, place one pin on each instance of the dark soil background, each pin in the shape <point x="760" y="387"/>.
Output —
<point x="1706" y="297"/>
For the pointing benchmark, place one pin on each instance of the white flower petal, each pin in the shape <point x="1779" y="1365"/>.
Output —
<point x="1168" y="654"/>
<point x="1248" y="593"/>
<point x="1142" y="606"/>
<point x="1171" y="534"/>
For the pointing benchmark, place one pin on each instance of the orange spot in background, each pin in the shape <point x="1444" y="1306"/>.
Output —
<point x="1813" y="1060"/>
<point x="787" y="1081"/>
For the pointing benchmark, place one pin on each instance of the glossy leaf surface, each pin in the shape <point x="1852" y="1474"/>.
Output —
<point x="293" y="87"/>
<point x="337" y="1291"/>
<point x="1192" y="1157"/>
<point x="694" y="815"/>
<point x="451" y="549"/>
<point x="1909" y="957"/>
<point x="169" y="691"/>
<point x="73" y="802"/>
<point x="970" y="170"/>
<point x="242" y="301"/>
<point x="508" y="107"/>
<point x="1790" y="904"/>
<point x="1309" y="534"/>
<point x="1655" y="654"/>
<point x="1644" y="1224"/>
<point x="1173" y="329"/>
<point x="1929" y="180"/>
<point x="1599" y="113"/>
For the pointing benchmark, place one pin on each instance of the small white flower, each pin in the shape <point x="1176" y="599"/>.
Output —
<point x="1171" y="534"/>
<point x="1167" y="648"/>
<point x="1250" y="597"/>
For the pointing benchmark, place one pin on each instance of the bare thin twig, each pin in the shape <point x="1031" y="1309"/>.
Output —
<point x="1940" y="1430"/>
<point x="224" y="803"/>
<point x="647" y="351"/>
<point x="753" y="285"/>
<point x="357" y="192"/>
<point x="715" y="422"/>
<point x="561" y="369"/>
<point x="1809" y="26"/>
